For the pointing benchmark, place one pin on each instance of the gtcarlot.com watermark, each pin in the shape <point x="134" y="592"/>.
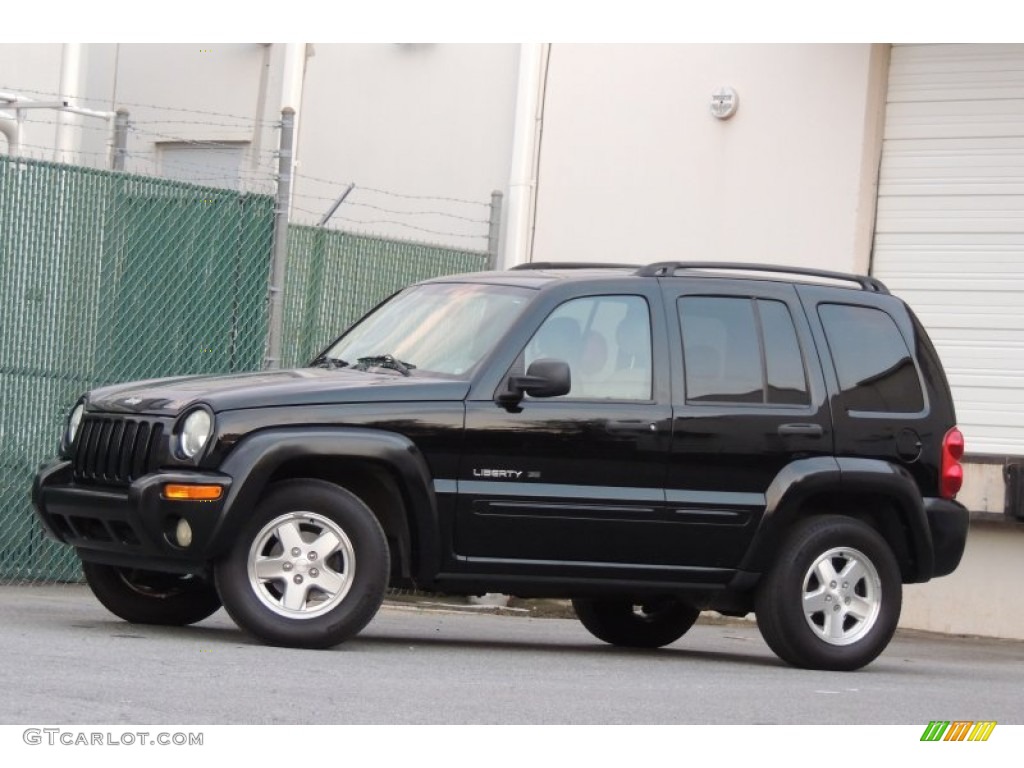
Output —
<point x="54" y="737"/>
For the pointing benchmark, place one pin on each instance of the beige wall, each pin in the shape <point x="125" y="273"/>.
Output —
<point x="429" y="120"/>
<point x="218" y="87"/>
<point x="32" y="71"/>
<point x="633" y="166"/>
<point x="425" y="119"/>
<point x="981" y="597"/>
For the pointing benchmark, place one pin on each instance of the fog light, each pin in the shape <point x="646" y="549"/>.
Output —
<point x="183" y="533"/>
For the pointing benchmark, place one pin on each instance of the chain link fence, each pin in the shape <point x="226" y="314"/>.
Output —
<point x="334" y="277"/>
<point x="109" y="277"/>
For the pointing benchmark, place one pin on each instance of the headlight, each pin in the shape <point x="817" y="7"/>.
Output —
<point x="194" y="433"/>
<point x="74" y="421"/>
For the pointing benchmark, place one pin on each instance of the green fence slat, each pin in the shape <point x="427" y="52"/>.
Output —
<point x="108" y="277"/>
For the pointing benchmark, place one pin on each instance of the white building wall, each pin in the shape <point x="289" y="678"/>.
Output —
<point x="427" y="121"/>
<point x="634" y="167"/>
<point x="201" y="92"/>
<point x="424" y="131"/>
<point x="33" y="71"/>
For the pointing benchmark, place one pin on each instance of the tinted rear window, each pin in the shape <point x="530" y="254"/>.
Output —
<point x="741" y="350"/>
<point x="873" y="363"/>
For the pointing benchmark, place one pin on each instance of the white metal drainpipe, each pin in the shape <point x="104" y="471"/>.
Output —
<point x="292" y="80"/>
<point x="522" y="185"/>
<point x="70" y="70"/>
<point x="9" y="128"/>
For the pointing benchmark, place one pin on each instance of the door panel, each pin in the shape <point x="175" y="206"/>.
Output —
<point x="747" y="403"/>
<point x="575" y="484"/>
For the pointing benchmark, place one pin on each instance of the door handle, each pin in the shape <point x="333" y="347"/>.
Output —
<point x="806" y="430"/>
<point x="631" y="425"/>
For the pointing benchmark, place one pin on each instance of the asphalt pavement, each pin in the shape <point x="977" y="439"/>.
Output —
<point x="67" y="661"/>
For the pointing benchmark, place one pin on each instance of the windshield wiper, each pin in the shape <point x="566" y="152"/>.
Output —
<point x="384" y="361"/>
<point x="328" y="362"/>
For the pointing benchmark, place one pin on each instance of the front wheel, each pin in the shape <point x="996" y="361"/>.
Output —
<point x="833" y="598"/>
<point x="147" y="597"/>
<point x="309" y="569"/>
<point x="649" y="623"/>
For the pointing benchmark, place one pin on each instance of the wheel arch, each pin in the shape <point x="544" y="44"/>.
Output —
<point x="385" y="470"/>
<point x="876" y="492"/>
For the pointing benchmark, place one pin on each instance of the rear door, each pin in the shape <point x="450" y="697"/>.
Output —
<point x="748" y="398"/>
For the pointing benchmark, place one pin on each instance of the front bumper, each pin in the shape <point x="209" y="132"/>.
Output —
<point x="131" y="526"/>
<point x="948" y="521"/>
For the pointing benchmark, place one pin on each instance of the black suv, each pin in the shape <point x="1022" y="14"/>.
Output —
<point x="649" y="442"/>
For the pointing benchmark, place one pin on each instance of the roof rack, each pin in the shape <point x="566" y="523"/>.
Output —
<point x="664" y="268"/>
<point x="572" y="265"/>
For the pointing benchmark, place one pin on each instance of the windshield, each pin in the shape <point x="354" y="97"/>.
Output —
<point x="443" y="328"/>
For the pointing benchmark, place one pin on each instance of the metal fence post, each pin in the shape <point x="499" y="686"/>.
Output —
<point x="494" y="229"/>
<point x="275" y="291"/>
<point x="120" y="140"/>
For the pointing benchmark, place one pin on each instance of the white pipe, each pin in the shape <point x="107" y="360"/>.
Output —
<point x="522" y="183"/>
<point x="261" y="109"/>
<point x="292" y="81"/>
<point x="9" y="128"/>
<point x="70" y="70"/>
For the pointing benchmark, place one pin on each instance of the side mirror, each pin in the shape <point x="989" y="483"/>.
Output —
<point x="544" y="378"/>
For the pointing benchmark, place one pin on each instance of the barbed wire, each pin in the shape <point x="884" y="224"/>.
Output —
<point x="171" y="121"/>
<point x="373" y="222"/>
<point x="334" y="182"/>
<point x="156" y="159"/>
<point x="132" y="130"/>
<point x="348" y="202"/>
<point x="257" y="182"/>
<point x="95" y="99"/>
<point x="206" y="143"/>
<point x="244" y="180"/>
<point x="83" y="126"/>
<point x="264" y="158"/>
<point x="50" y="151"/>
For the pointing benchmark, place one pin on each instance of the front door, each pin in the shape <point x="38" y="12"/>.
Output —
<point x="573" y="485"/>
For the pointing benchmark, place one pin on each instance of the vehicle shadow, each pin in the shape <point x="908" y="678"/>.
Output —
<point x="382" y="640"/>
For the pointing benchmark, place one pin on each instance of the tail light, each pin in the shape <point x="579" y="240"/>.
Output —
<point x="952" y="476"/>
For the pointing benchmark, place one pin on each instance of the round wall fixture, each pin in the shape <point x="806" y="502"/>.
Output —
<point x="724" y="102"/>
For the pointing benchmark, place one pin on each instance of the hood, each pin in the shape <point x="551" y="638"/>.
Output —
<point x="300" y="386"/>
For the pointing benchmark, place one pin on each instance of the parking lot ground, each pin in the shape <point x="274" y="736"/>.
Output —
<point x="67" y="660"/>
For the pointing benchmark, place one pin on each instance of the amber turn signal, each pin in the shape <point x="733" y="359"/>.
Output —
<point x="192" y="492"/>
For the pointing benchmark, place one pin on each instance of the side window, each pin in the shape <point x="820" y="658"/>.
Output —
<point x="741" y="350"/>
<point x="606" y="340"/>
<point x="787" y="377"/>
<point x="875" y="369"/>
<point x="721" y="353"/>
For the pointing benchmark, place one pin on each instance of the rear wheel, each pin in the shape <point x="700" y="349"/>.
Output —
<point x="148" y="597"/>
<point x="649" y="623"/>
<point x="833" y="597"/>
<point x="309" y="569"/>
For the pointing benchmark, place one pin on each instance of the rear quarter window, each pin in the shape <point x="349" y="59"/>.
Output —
<point x="873" y="364"/>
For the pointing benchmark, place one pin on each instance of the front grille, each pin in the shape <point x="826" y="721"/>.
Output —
<point x="114" y="450"/>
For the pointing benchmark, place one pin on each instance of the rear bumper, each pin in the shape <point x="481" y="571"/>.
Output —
<point x="948" y="521"/>
<point x="131" y="526"/>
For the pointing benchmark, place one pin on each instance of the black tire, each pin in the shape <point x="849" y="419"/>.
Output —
<point x="147" y="597"/>
<point x="649" y="623"/>
<point x="813" y="621"/>
<point x="313" y="599"/>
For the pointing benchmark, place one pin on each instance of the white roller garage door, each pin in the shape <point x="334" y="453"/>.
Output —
<point x="950" y="229"/>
